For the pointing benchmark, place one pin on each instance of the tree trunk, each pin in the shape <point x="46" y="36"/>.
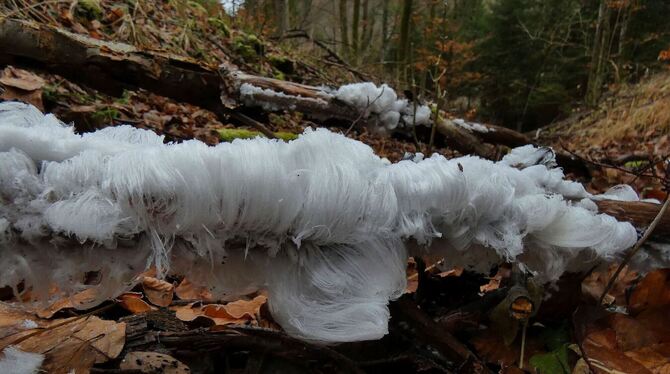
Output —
<point x="354" y="32"/>
<point x="344" y="29"/>
<point x="403" y="49"/>
<point x="599" y="55"/>
<point x="366" y="27"/>
<point x="384" y="34"/>
<point x="282" y="16"/>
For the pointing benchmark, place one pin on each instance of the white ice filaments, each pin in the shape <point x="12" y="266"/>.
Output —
<point x="380" y="105"/>
<point x="382" y="101"/>
<point x="16" y="361"/>
<point x="321" y="222"/>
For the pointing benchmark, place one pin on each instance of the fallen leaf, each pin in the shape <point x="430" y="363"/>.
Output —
<point x="21" y="79"/>
<point x="79" y="300"/>
<point x="72" y="344"/>
<point x="455" y="272"/>
<point x="14" y="321"/>
<point x="652" y="291"/>
<point x="609" y="360"/>
<point x="594" y="284"/>
<point x="188" y="291"/>
<point x="158" y="292"/>
<point x="494" y="283"/>
<point x="412" y="276"/>
<point x="152" y="362"/>
<point x="22" y="85"/>
<point x="237" y="312"/>
<point x="656" y="358"/>
<point x="241" y="309"/>
<point x="132" y="302"/>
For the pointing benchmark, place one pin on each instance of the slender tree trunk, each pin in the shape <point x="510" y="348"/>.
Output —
<point x="384" y="35"/>
<point x="365" y="24"/>
<point x="369" y="27"/>
<point x="405" y="20"/>
<point x="344" y="28"/>
<point x="355" y="23"/>
<point x="599" y="55"/>
<point x="282" y="9"/>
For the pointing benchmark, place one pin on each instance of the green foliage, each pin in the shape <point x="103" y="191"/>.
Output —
<point x="50" y="93"/>
<point x="89" y="9"/>
<point x="533" y="76"/>
<point x="105" y="115"/>
<point x="125" y="97"/>
<point x="554" y="362"/>
<point x="556" y="340"/>
<point x="220" y="25"/>
<point x="281" y="63"/>
<point x="228" y="135"/>
<point x="248" y="46"/>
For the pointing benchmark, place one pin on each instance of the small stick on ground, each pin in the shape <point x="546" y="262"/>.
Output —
<point x="636" y="248"/>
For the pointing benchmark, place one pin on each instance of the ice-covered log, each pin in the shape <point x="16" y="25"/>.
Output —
<point x="321" y="222"/>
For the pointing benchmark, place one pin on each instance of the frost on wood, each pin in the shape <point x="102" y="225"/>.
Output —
<point x="383" y="103"/>
<point x="378" y="105"/>
<point x="321" y="222"/>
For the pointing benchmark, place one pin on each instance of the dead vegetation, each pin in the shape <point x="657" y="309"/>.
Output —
<point x="465" y="321"/>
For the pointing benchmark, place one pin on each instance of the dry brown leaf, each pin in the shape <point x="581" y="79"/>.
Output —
<point x="494" y="283"/>
<point x="246" y="309"/>
<point x="132" y="302"/>
<point x="22" y="85"/>
<point x="21" y="79"/>
<point x="630" y="333"/>
<point x="455" y="272"/>
<point x="188" y="291"/>
<point x="16" y="322"/>
<point x="75" y="301"/>
<point x="594" y="284"/>
<point x="412" y="285"/>
<point x="621" y="343"/>
<point x="609" y="360"/>
<point x="75" y="343"/>
<point x="656" y="358"/>
<point x="153" y="362"/>
<point x="159" y="292"/>
<point x="652" y="291"/>
<point x="237" y="312"/>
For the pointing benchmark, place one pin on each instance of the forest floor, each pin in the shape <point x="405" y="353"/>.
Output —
<point x="449" y="320"/>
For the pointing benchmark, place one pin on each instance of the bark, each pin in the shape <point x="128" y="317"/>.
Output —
<point x="355" y="40"/>
<point x="368" y="27"/>
<point x="599" y="55"/>
<point x="404" y="33"/>
<point x="384" y="35"/>
<point x="344" y="28"/>
<point x="639" y="214"/>
<point x="282" y="14"/>
<point x="106" y="66"/>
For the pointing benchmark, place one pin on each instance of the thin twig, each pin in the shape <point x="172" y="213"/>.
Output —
<point x="523" y="343"/>
<point x="636" y="248"/>
<point x="608" y="166"/>
<point x="364" y="111"/>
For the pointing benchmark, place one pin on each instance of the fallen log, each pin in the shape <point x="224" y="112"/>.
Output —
<point x="638" y="213"/>
<point x="107" y="66"/>
<point x="112" y="67"/>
